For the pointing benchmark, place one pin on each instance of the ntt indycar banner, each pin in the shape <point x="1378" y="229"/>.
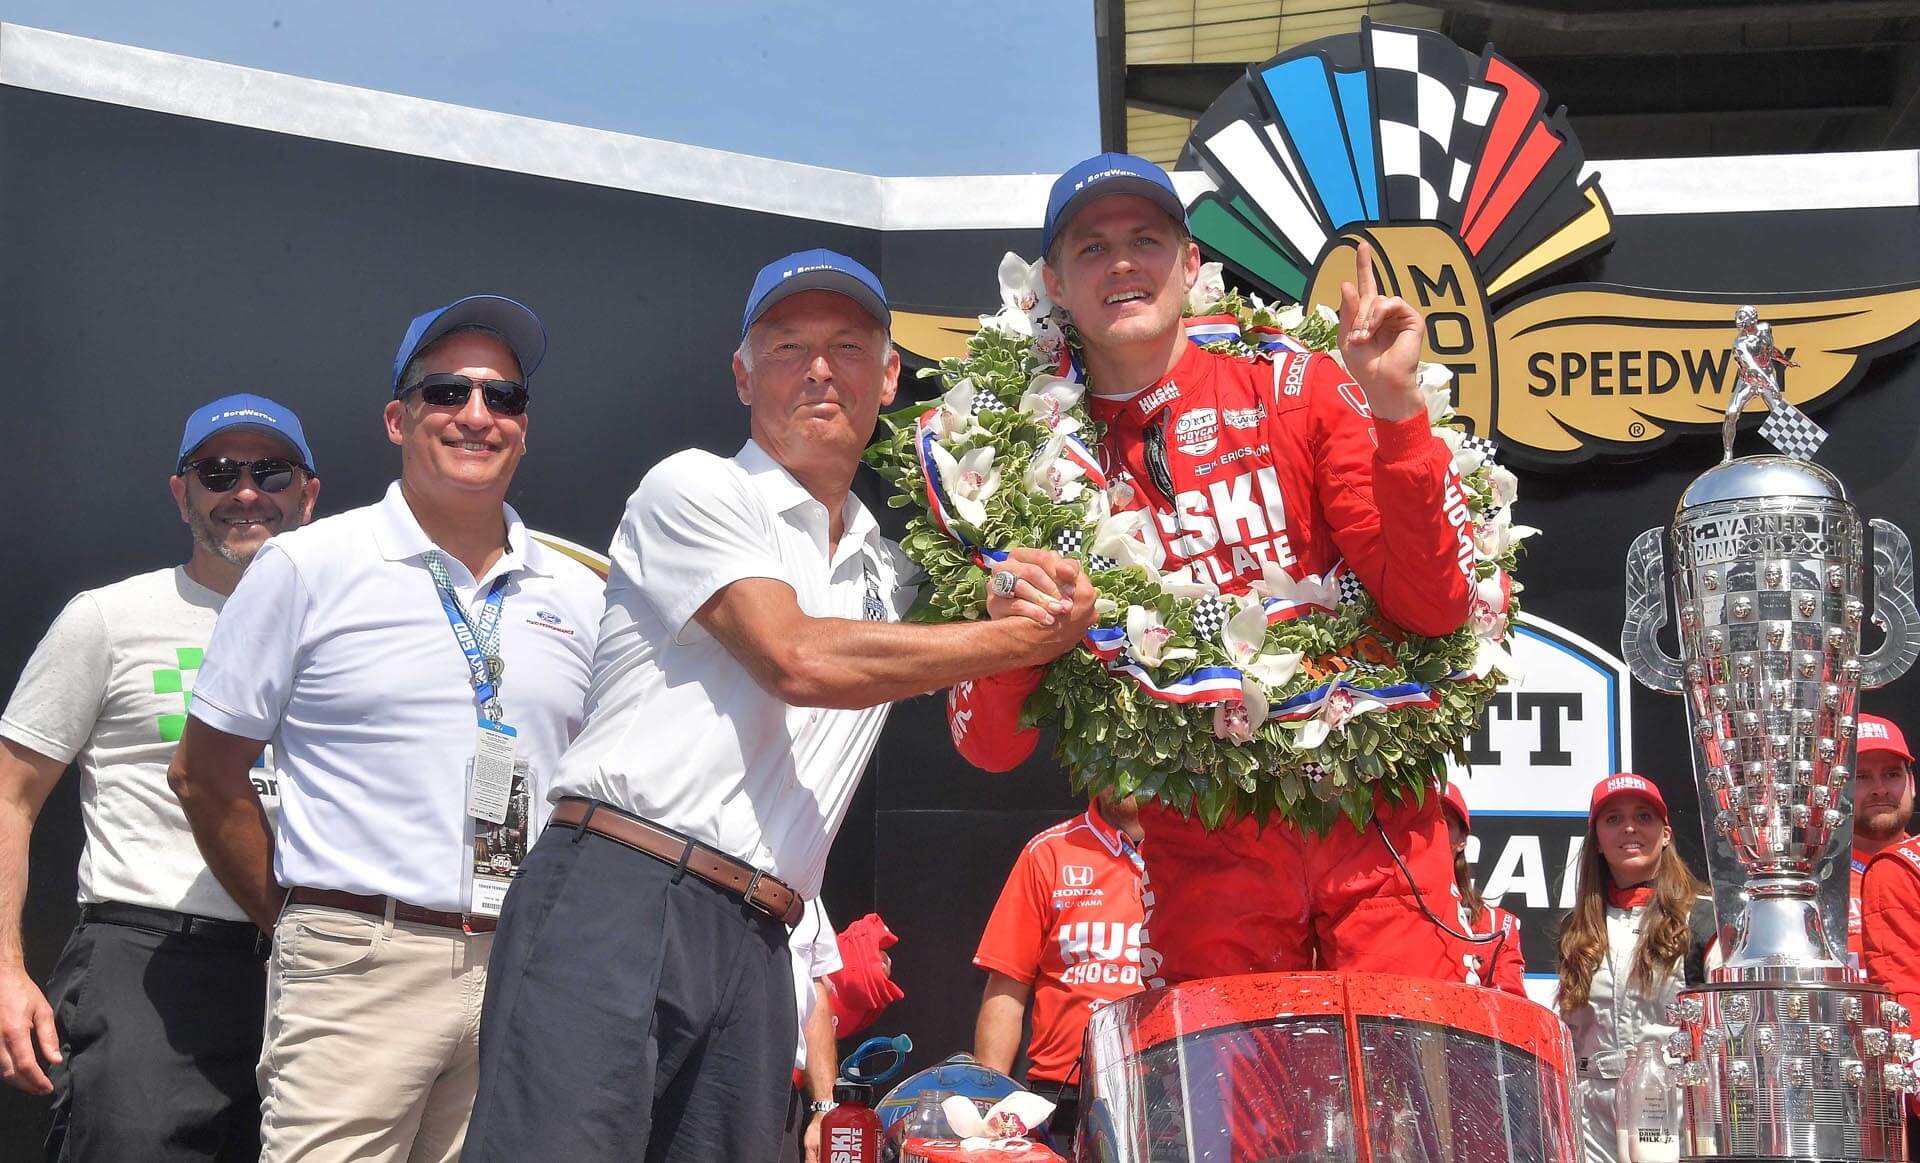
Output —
<point x="1527" y="772"/>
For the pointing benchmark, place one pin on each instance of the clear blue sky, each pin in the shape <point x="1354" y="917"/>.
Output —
<point x="876" y="86"/>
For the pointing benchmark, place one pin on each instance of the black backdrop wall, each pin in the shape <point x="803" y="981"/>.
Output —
<point x="149" y="262"/>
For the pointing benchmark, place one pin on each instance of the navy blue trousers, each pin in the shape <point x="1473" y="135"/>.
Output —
<point x="631" y="1013"/>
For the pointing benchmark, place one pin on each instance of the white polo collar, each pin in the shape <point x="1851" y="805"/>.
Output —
<point x="1116" y="841"/>
<point x="786" y="493"/>
<point x="399" y="535"/>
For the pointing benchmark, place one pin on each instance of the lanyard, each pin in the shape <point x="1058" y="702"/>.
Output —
<point x="874" y="608"/>
<point x="479" y="638"/>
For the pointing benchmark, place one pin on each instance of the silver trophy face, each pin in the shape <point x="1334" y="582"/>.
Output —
<point x="1769" y="587"/>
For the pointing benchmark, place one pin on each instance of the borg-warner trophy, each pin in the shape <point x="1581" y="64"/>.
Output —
<point x="1786" y="1052"/>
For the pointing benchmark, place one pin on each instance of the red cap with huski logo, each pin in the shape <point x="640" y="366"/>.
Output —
<point x="1878" y="734"/>
<point x="1626" y="784"/>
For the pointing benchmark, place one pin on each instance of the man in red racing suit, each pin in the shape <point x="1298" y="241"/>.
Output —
<point x="1241" y="462"/>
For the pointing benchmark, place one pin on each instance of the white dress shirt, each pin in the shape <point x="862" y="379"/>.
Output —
<point x="816" y="954"/>
<point x="678" y="731"/>
<point x="335" y="646"/>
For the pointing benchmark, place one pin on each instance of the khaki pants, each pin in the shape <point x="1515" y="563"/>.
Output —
<point x="371" y="1049"/>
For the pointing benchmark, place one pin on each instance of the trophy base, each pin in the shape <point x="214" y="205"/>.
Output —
<point x="1803" y="1071"/>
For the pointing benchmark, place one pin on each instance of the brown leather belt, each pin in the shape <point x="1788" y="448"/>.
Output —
<point x="376" y="906"/>
<point x="767" y="893"/>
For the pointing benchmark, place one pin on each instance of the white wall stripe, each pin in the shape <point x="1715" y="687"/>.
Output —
<point x="138" y="78"/>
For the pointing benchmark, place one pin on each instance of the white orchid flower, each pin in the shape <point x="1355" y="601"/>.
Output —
<point x="1207" y="290"/>
<point x="1023" y="296"/>
<point x="968" y="481"/>
<point x="955" y="414"/>
<point x="1488" y="614"/>
<point x="1185" y="582"/>
<point x="1290" y="317"/>
<point x="1506" y="487"/>
<point x="1341" y="706"/>
<point x="1490" y="658"/>
<point x="1050" y="398"/>
<point x="1492" y="536"/>
<point x="1465" y="459"/>
<point x="1313" y="589"/>
<point x="1105" y="608"/>
<point x="1148" y="636"/>
<point x="1236" y="721"/>
<point x="1096" y="509"/>
<point x="1128" y="539"/>
<point x="1436" y="382"/>
<point x="1053" y="476"/>
<point x="1244" y="635"/>
<point x="1327" y="314"/>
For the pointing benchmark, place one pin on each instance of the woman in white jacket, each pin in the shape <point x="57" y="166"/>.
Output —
<point x="1640" y="928"/>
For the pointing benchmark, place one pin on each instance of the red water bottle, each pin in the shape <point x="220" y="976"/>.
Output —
<point x="851" y="1131"/>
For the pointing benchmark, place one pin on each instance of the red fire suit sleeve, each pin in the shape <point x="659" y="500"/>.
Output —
<point x="1890" y="924"/>
<point x="1510" y="966"/>
<point x="984" y="716"/>
<point x="1395" y="508"/>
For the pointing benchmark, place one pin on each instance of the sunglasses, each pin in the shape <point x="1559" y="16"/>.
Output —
<point x="453" y="390"/>
<point x="221" y="474"/>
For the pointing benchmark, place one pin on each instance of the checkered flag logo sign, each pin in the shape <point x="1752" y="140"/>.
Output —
<point x="986" y="401"/>
<point x="1793" y="432"/>
<point x="1415" y="79"/>
<point x="1351" y="591"/>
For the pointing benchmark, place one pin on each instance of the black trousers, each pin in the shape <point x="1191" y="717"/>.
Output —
<point x="160" y="1035"/>
<point x="1065" y="1097"/>
<point x="632" y="1012"/>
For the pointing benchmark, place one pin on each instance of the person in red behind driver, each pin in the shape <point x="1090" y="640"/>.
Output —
<point x="1297" y="463"/>
<point x="1499" y="962"/>
<point x="1882" y="805"/>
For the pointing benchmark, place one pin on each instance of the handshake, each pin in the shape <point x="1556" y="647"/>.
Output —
<point x="1044" y="600"/>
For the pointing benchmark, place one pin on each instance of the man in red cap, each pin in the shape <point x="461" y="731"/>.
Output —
<point x="1499" y="961"/>
<point x="1882" y="805"/>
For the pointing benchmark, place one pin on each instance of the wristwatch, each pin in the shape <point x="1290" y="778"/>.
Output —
<point x="820" y="1106"/>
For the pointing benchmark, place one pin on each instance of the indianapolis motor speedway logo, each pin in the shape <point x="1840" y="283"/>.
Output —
<point x="1472" y="197"/>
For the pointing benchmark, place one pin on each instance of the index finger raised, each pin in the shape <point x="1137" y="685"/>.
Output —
<point x="1363" y="271"/>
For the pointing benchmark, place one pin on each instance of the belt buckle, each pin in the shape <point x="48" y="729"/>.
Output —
<point x="753" y="886"/>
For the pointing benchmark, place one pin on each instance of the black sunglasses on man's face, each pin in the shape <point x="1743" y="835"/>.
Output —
<point x="221" y="474"/>
<point x="453" y="390"/>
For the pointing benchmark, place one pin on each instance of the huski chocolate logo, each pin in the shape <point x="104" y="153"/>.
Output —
<point x="1470" y="193"/>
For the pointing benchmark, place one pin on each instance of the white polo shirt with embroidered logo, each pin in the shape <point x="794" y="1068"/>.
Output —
<point x="679" y="731"/>
<point x="335" y="646"/>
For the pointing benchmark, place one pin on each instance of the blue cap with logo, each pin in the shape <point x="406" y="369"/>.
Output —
<point x="1103" y="174"/>
<point x="244" y="410"/>
<point x="519" y="326"/>
<point x="815" y="270"/>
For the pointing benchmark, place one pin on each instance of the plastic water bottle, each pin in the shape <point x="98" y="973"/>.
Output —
<point x="1648" y="1108"/>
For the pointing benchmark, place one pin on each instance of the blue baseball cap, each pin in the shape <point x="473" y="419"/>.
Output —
<point x="521" y="328"/>
<point x="815" y="270"/>
<point x="1103" y="174"/>
<point x="242" y="411"/>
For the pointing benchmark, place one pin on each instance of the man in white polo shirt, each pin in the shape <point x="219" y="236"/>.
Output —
<point x="642" y="1005"/>
<point x="419" y="664"/>
<point x="166" y="963"/>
